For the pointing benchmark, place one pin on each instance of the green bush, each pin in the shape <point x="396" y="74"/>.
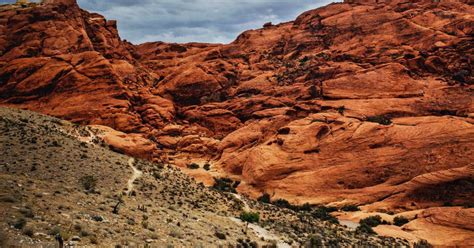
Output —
<point x="250" y="217"/>
<point x="305" y="207"/>
<point x="422" y="244"/>
<point x="372" y="221"/>
<point x="28" y="231"/>
<point x="282" y="203"/>
<point x="341" y="110"/>
<point x="328" y="209"/>
<point x="323" y="214"/>
<point x="88" y="182"/>
<point x="19" y="223"/>
<point x="380" y="119"/>
<point x="265" y="198"/>
<point x="400" y="221"/>
<point x="350" y="208"/>
<point x="225" y="184"/>
<point x="313" y="242"/>
<point x="304" y="60"/>
<point x="364" y="228"/>
<point x="193" y="166"/>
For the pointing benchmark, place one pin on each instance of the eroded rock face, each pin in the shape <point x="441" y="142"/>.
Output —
<point x="353" y="102"/>
<point x="59" y="2"/>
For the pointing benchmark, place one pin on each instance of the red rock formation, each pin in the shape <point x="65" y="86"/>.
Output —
<point x="60" y="2"/>
<point x="357" y="102"/>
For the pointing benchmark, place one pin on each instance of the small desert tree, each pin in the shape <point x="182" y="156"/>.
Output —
<point x="249" y="217"/>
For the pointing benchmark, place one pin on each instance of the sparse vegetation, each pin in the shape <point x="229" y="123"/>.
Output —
<point x="323" y="214"/>
<point x="225" y="184"/>
<point x="372" y="221"/>
<point x="422" y="244"/>
<point x="28" y="213"/>
<point x="207" y="167"/>
<point x="28" y="231"/>
<point x="304" y="60"/>
<point x="265" y="198"/>
<point x="314" y="242"/>
<point x="350" y="208"/>
<point x="341" y="110"/>
<point x="19" y="223"/>
<point x="249" y="217"/>
<point x="220" y="235"/>
<point x="193" y="166"/>
<point x="400" y="220"/>
<point x="380" y="119"/>
<point x="88" y="182"/>
<point x="364" y="228"/>
<point x="282" y="203"/>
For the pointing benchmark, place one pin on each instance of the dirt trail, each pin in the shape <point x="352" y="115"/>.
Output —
<point x="258" y="230"/>
<point x="264" y="233"/>
<point x="246" y="205"/>
<point x="136" y="174"/>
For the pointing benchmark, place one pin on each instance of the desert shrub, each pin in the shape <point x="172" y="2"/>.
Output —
<point x="193" y="166"/>
<point x="88" y="182"/>
<point x="265" y="198"/>
<point x="372" y="221"/>
<point x="422" y="244"/>
<point x="28" y="231"/>
<point x="380" y="119"/>
<point x="305" y="207"/>
<point x="350" y="208"/>
<point x="283" y="203"/>
<point x="323" y="214"/>
<point x="66" y="235"/>
<point x="468" y="205"/>
<point x="313" y="242"/>
<point x="341" y="110"/>
<point x="364" y="228"/>
<point x="54" y="231"/>
<point x="220" y="235"/>
<point x="250" y="217"/>
<point x="400" y="221"/>
<point x="207" y="167"/>
<point x="94" y="240"/>
<point x="84" y="233"/>
<point x="225" y="184"/>
<point x="304" y="60"/>
<point x="19" y="223"/>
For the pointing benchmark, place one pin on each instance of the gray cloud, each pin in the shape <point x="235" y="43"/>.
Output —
<point x="217" y="21"/>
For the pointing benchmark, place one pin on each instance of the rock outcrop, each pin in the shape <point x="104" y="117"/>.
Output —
<point x="357" y="102"/>
<point x="60" y="2"/>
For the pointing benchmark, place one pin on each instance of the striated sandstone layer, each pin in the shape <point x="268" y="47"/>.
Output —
<point x="363" y="102"/>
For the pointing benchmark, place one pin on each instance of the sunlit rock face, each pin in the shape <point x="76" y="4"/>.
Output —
<point x="58" y="2"/>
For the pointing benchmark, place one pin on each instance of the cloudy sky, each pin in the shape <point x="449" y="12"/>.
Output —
<point x="217" y="21"/>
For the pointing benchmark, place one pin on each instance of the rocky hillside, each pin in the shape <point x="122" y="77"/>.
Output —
<point x="57" y="177"/>
<point x="353" y="103"/>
